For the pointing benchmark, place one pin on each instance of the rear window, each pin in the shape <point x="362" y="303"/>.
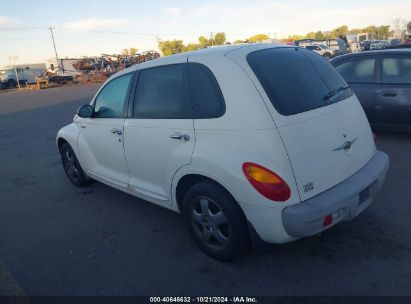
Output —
<point x="297" y="80"/>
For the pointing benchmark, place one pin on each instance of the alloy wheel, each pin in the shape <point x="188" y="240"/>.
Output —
<point x="210" y="223"/>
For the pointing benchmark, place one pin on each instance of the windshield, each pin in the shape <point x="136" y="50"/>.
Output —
<point x="297" y="80"/>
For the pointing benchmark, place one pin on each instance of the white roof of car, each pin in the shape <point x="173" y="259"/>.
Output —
<point x="210" y="51"/>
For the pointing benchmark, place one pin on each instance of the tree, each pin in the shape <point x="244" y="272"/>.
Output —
<point x="356" y="31"/>
<point x="125" y="52"/>
<point x="295" y="37"/>
<point x="311" y="35"/>
<point x="219" y="38"/>
<point x="378" y="32"/>
<point x="191" y="47"/>
<point x="258" y="37"/>
<point x="397" y="27"/>
<point x="339" y="31"/>
<point x="133" y="51"/>
<point x="170" y="47"/>
<point x="382" y="32"/>
<point x="319" y="36"/>
<point x="204" y="42"/>
<point x="238" y="41"/>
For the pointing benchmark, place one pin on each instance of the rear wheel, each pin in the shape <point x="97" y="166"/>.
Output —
<point x="11" y="83"/>
<point x="215" y="221"/>
<point x="72" y="167"/>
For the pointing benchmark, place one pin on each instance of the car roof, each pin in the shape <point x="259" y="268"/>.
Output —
<point x="373" y="53"/>
<point x="216" y="51"/>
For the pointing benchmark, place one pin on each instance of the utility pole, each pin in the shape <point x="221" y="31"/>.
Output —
<point x="54" y="44"/>
<point x="13" y="58"/>
<point x="212" y="40"/>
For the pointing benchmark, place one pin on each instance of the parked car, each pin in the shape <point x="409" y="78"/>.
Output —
<point x="395" y="42"/>
<point x="382" y="82"/>
<point x="233" y="138"/>
<point x="377" y="45"/>
<point x="322" y="50"/>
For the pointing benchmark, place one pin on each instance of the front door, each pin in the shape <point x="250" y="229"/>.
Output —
<point x="101" y="140"/>
<point x="159" y="135"/>
<point x="359" y="73"/>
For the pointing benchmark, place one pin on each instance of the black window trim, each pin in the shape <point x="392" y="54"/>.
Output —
<point x="126" y="103"/>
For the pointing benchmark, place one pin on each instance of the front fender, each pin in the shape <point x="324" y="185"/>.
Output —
<point x="69" y="133"/>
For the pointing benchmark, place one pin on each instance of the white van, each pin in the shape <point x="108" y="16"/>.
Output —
<point x="243" y="140"/>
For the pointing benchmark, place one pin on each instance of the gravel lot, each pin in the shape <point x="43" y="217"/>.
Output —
<point x="56" y="239"/>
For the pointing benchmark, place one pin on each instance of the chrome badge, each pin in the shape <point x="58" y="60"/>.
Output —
<point x="346" y="145"/>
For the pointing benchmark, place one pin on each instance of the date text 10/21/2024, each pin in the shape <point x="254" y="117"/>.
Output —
<point x="203" y="300"/>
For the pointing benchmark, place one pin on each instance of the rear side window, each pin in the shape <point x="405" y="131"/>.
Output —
<point x="297" y="80"/>
<point x="207" y="98"/>
<point x="162" y="93"/>
<point x="396" y="70"/>
<point x="357" y="71"/>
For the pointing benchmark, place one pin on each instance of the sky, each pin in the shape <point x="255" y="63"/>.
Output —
<point x="90" y="28"/>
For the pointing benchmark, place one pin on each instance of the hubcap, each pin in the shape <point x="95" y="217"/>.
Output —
<point x="71" y="166"/>
<point x="210" y="223"/>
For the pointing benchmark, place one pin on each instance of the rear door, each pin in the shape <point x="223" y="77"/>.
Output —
<point x="360" y="74"/>
<point x="394" y="92"/>
<point x="322" y="125"/>
<point x="159" y="135"/>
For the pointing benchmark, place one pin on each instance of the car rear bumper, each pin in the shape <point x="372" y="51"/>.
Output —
<point x="342" y="202"/>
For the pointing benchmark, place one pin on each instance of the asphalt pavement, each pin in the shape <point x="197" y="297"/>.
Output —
<point x="56" y="239"/>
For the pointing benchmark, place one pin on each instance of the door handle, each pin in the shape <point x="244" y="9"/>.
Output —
<point x="116" y="131"/>
<point x="389" y="93"/>
<point x="182" y="137"/>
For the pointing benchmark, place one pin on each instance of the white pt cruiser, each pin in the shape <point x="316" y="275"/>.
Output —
<point x="245" y="140"/>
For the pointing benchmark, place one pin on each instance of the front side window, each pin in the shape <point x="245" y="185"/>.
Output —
<point x="360" y="70"/>
<point x="396" y="70"/>
<point x="110" y="102"/>
<point x="162" y="93"/>
<point x="297" y="80"/>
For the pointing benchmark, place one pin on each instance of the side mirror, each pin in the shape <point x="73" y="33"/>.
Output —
<point x="85" y="111"/>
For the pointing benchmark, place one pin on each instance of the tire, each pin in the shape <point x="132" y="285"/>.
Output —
<point x="72" y="167"/>
<point x="216" y="222"/>
<point x="11" y="83"/>
<point x="327" y="56"/>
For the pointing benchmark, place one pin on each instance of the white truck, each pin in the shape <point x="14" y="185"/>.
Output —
<point x="323" y="50"/>
<point x="22" y="73"/>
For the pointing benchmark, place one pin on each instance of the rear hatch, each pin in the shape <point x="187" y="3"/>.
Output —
<point x="323" y="127"/>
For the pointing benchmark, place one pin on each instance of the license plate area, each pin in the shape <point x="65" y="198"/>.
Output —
<point x="364" y="195"/>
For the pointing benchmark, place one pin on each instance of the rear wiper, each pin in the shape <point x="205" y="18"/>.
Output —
<point x="335" y="92"/>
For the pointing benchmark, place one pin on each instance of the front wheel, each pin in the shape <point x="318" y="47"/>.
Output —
<point x="215" y="221"/>
<point x="72" y="167"/>
<point x="327" y="56"/>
